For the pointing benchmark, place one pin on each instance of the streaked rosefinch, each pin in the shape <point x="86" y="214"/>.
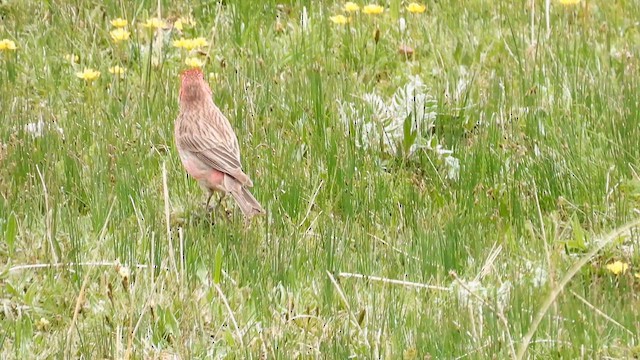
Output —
<point x="208" y="146"/>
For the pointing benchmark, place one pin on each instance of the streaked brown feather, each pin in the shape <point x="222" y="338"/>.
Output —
<point x="209" y="136"/>
<point x="208" y="146"/>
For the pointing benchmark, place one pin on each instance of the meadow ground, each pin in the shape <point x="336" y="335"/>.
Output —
<point x="445" y="184"/>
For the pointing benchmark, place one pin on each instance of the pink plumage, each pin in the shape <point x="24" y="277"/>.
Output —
<point x="208" y="146"/>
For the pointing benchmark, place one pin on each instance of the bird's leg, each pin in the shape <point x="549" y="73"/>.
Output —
<point x="209" y="200"/>
<point x="222" y="196"/>
<point x="212" y="210"/>
<point x="215" y="208"/>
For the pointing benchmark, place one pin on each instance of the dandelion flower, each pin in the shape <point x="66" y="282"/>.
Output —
<point x="119" y="22"/>
<point x="569" y="2"/>
<point x="200" y="42"/>
<point x="154" y="23"/>
<point x="7" y="45"/>
<point x="416" y="8"/>
<point x="351" y="7"/>
<point x="618" y="267"/>
<point x="183" y="43"/>
<point x="339" y="19"/>
<point x="194" y="62"/>
<point x="190" y="44"/>
<point x="88" y="75"/>
<point x="373" y="9"/>
<point x="119" y="34"/>
<point x="178" y="24"/>
<point x="117" y="70"/>
<point x="71" y="58"/>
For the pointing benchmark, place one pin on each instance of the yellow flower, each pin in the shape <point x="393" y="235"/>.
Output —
<point x="119" y="22"/>
<point x="154" y="23"/>
<point x="416" y="8"/>
<point x="71" y="58"/>
<point x="373" y="9"/>
<point x="200" y="42"/>
<point x="637" y="275"/>
<point x="117" y="70"/>
<point x="190" y="44"/>
<point x="183" y="43"/>
<point x="178" y="24"/>
<point x="194" y="62"/>
<point x="339" y="19"/>
<point x="88" y="75"/>
<point x="618" y="267"/>
<point x="6" y="44"/>
<point x="351" y="7"/>
<point x="569" y="2"/>
<point x="119" y="34"/>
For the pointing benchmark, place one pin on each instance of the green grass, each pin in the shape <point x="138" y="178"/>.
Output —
<point x="546" y="135"/>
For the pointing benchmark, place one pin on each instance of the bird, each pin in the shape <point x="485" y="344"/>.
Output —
<point x="208" y="146"/>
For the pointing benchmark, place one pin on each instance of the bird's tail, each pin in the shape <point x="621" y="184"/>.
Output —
<point x="248" y="204"/>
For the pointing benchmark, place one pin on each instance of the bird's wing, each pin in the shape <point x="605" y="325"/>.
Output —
<point x="215" y="145"/>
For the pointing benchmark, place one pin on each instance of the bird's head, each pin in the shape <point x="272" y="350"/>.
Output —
<point x="194" y="88"/>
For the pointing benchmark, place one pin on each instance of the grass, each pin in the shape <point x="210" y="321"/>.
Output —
<point x="544" y="127"/>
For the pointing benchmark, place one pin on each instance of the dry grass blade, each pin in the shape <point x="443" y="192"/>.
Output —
<point x="233" y="318"/>
<point x="18" y="268"/>
<point x="488" y="264"/>
<point x="393" y="281"/>
<point x="167" y="218"/>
